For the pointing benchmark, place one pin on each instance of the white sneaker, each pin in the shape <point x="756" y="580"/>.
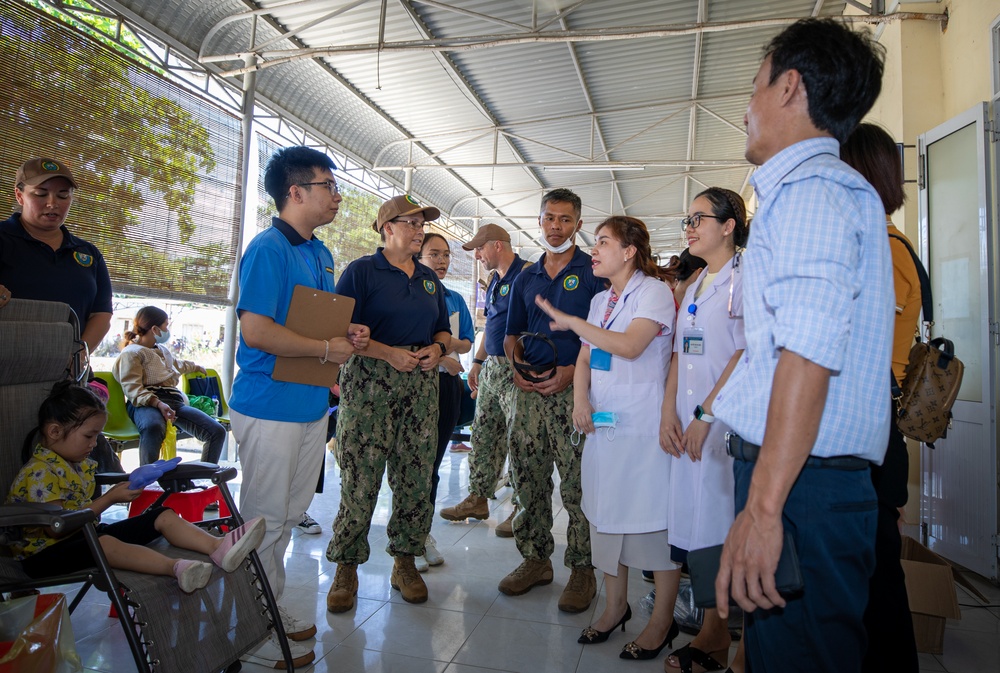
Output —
<point x="431" y="553"/>
<point x="268" y="654"/>
<point x="309" y="525"/>
<point x="421" y="564"/>
<point x="295" y="628"/>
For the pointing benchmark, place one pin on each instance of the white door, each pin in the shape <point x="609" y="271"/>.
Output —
<point x="958" y="246"/>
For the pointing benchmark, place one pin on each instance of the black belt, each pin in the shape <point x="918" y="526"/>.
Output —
<point x="740" y="449"/>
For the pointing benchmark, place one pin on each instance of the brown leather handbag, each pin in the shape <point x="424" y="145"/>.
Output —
<point x="932" y="379"/>
<point x="929" y="388"/>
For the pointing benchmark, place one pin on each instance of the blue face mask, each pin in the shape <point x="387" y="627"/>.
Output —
<point x="601" y="419"/>
<point x="163" y="337"/>
<point x="604" y="419"/>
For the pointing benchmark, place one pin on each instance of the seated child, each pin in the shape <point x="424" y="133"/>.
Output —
<point x="149" y="376"/>
<point x="61" y="472"/>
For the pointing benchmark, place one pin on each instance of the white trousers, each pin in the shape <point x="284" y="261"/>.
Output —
<point x="280" y="465"/>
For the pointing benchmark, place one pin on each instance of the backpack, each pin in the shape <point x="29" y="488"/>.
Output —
<point x="932" y="379"/>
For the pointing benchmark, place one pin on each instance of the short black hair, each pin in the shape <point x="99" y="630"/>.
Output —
<point x="291" y="166"/>
<point x="871" y="151"/>
<point x="563" y="195"/>
<point x="840" y="68"/>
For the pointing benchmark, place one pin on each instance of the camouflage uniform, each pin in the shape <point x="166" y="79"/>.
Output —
<point x="385" y="416"/>
<point x="540" y="432"/>
<point x="489" y="429"/>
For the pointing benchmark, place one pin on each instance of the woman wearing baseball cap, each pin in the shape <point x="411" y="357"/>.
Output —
<point x="41" y="259"/>
<point x="388" y="415"/>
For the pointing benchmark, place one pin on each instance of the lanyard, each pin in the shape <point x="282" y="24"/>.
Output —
<point x="313" y="265"/>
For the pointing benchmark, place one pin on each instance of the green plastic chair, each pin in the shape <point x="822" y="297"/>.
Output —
<point x="223" y="417"/>
<point x="120" y="430"/>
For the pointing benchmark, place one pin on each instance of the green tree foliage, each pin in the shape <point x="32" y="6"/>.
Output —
<point x="132" y="149"/>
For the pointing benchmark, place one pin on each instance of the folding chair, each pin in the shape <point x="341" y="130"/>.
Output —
<point x="166" y="629"/>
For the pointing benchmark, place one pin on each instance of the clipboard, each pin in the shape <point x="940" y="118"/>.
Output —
<point x="318" y="315"/>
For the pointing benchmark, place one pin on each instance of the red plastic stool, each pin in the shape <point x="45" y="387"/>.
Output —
<point x="189" y="505"/>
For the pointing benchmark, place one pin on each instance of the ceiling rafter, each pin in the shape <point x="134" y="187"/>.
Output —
<point x="452" y="68"/>
<point x="272" y="58"/>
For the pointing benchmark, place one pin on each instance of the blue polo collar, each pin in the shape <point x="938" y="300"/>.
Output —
<point x="580" y="258"/>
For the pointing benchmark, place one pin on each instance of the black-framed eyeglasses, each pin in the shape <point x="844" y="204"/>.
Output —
<point x="416" y="225"/>
<point x="694" y="221"/>
<point x="331" y="185"/>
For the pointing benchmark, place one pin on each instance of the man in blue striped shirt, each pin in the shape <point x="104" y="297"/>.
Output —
<point x="808" y="400"/>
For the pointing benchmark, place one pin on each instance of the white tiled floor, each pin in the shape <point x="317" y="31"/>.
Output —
<point x="467" y="626"/>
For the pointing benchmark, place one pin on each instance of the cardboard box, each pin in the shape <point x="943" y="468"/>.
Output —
<point x="930" y="588"/>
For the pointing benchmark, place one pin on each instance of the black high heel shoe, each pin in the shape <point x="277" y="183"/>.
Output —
<point x="592" y="636"/>
<point x="633" y="652"/>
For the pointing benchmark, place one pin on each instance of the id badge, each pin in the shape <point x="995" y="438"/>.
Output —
<point x="600" y="360"/>
<point x="694" y="341"/>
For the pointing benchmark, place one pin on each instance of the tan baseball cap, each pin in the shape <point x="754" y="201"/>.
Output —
<point x="487" y="233"/>
<point x="36" y="171"/>
<point x="399" y="206"/>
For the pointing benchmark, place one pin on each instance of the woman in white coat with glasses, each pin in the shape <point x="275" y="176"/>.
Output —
<point x="708" y="343"/>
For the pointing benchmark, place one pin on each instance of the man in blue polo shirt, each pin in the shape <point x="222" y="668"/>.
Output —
<point x="40" y="258"/>
<point x="491" y="379"/>
<point x="808" y="399"/>
<point x="542" y="409"/>
<point x="280" y="427"/>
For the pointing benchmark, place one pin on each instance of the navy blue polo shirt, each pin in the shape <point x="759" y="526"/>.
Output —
<point x="75" y="273"/>
<point x="497" y="303"/>
<point x="398" y="309"/>
<point x="570" y="292"/>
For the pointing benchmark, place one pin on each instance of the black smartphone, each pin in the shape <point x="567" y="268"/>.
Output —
<point x="703" y="567"/>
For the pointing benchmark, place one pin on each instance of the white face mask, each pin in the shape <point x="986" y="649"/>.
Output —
<point x="163" y="337"/>
<point x="567" y="244"/>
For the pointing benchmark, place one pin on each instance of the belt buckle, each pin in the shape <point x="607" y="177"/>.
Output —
<point x="730" y="437"/>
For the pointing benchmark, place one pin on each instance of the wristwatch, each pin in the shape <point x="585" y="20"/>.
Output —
<point x="478" y="361"/>
<point x="701" y="415"/>
<point x="444" y="349"/>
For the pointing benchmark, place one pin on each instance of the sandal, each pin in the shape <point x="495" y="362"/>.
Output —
<point x="687" y="656"/>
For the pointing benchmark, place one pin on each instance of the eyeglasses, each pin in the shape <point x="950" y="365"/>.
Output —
<point x="732" y="281"/>
<point x="437" y="256"/>
<point x="329" y="184"/>
<point x="694" y="221"/>
<point x="416" y="225"/>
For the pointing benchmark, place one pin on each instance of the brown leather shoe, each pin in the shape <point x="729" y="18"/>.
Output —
<point x="506" y="529"/>
<point x="579" y="591"/>
<point x="340" y="598"/>
<point x="531" y="573"/>
<point x="473" y="507"/>
<point x="407" y="580"/>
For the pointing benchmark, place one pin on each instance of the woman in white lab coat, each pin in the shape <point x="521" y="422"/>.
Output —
<point x="619" y="379"/>
<point x="708" y="342"/>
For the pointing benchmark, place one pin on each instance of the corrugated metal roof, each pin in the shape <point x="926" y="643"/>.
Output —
<point x="479" y="125"/>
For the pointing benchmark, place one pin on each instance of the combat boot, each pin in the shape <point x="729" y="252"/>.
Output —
<point x="340" y="598"/>
<point x="473" y="507"/>
<point x="579" y="591"/>
<point x="531" y="573"/>
<point x="407" y="580"/>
